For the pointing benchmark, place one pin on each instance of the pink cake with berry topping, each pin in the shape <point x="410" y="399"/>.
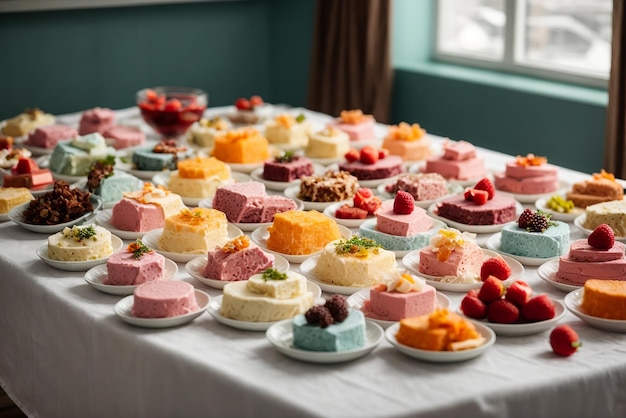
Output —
<point x="402" y="296"/>
<point x="238" y="259"/>
<point x="125" y="136"/>
<point x="499" y="210"/>
<point x="451" y="253"/>
<point x="422" y="186"/>
<point x="98" y="119"/>
<point x="459" y="162"/>
<point x="528" y="175"/>
<point x="250" y="111"/>
<point x="287" y="168"/>
<point x="372" y="164"/>
<point x="597" y="257"/>
<point x="390" y="220"/>
<point x="49" y="136"/>
<point x="408" y="141"/>
<point x="134" y="265"/>
<point x="164" y="299"/>
<point x="358" y="126"/>
<point x="248" y="202"/>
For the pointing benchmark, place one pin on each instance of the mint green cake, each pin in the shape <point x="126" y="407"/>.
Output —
<point x="341" y="336"/>
<point x="553" y="242"/>
<point x="75" y="157"/>
<point x="111" y="189"/>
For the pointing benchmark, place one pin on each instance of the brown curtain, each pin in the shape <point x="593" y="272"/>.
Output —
<point x="615" y="142"/>
<point x="350" y="65"/>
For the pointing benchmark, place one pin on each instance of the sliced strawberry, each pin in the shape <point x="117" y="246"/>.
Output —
<point x="371" y="205"/>
<point x="486" y="185"/>
<point x="468" y="195"/>
<point x="349" y="212"/>
<point x="480" y="197"/>
<point x="383" y="153"/>
<point x="352" y="155"/>
<point x="368" y="155"/>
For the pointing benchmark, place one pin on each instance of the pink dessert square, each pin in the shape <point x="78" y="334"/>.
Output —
<point x="458" y="151"/>
<point x="363" y="131"/>
<point x="469" y="259"/>
<point x="392" y="223"/>
<point x="394" y="306"/>
<point x="239" y="265"/>
<point x="49" y="136"/>
<point x="130" y="215"/>
<point x="123" y="269"/>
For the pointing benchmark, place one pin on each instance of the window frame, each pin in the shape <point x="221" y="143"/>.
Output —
<point x="513" y="43"/>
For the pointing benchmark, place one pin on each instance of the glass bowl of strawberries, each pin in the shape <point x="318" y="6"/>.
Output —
<point x="170" y="111"/>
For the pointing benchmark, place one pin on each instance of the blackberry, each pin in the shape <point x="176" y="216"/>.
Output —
<point x="539" y="223"/>
<point x="319" y="315"/>
<point x="525" y="218"/>
<point x="338" y="307"/>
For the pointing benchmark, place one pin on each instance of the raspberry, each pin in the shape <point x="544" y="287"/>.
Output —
<point x="539" y="223"/>
<point x="491" y="289"/>
<point x="564" y="340"/>
<point x="495" y="266"/>
<point x="602" y="237"/>
<point x="338" y="307"/>
<point x="502" y="312"/>
<point x="473" y="307"/>
<point x="486" y="185"/>
<point x="525" y="218"/>
<point x="539" y="308"/>
<point x="319" y="315"/>
<point x="403" y="203"/>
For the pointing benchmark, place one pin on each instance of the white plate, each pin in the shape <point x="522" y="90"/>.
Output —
<point x="42" y="252"/>
<point x="349" y="223"/>
<point x="294" y="193"/>
<point x="123" y="309"/>
<point x="443" y="356"/>
<point x="163" y="179"/>
<point x="493" y="243"/>
<point x="103" y="218"/>
<point x="517" y="330"/>
<point x="558" y="216"/>
<point x="151" y="239"/>
<point x="356" y="301"/>
<point x="38" y="151"/>
<point x="532" y="198"/>
<point x="424" y="204"/>
<point x="216" y="305"/>
<point x="246" y="226"/>
<point x="280" y="335"/>
<point x="67" y="178"/>
<point x="573" y="301"/>
<point x="547" y="272"/>
<point x="257" y="175"/>
<point x="145" y="174"/>
<point x="260" y="236"/>
<point x="412" y="262"/>
<point x="579" y="221"/>
<point x="195" y="268"/>
<point x="476" y="229"/>
<point x="95" y="276"/>
<point x="4" y="217"/>
<point x="16" y="215"/>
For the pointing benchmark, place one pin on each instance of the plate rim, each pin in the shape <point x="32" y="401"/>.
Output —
<point x="572" y="303"/>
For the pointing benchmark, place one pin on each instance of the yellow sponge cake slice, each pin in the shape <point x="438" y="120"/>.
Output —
<point x="194" y="231"/>
<point x="13" y="196"/>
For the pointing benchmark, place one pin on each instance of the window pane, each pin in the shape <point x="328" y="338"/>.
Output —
<point x="472" y="27"/>
<point x="567" y="35"/>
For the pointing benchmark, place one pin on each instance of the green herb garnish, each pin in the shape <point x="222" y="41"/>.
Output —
<point x="300" y="118"/>
<point x="138" y="248"/>
<point x="356" y="245"/>
<point x="273" y="274"/>
<point x="84" y="233"/>
<point x="287" y="157"/>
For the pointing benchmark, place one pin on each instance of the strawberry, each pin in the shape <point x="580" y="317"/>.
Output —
<point x="243" y="104"/>
<point x="468" y="195"/>
<point x="502" y="311"/>
<point x="472" y="292"/>
<point x="525" y="218"/>
<point x="491" y="289"/>
<point x="256" y="101"/>
<point x="361" y="196"/>
<point x="473" y="307"/>
<point x="369" y="155"/>
<point x="602" y="237"/>
<point x="564" y="340"/>
<point x="349" y="212"/>
<point x="518" y="293"/>
<point x="403" y="203"/>
<point x="383" y="153"/>
<point x="495" y="266"/>
<point x="539" y="308"/>
<point x="173" y="105"/>
<point x="480" y="197"/>
<point x="371" y="205"/>
<point x="486" y="185"/>
<point x="352" y="155"/>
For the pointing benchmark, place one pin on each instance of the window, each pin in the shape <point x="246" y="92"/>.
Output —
<point x="568" y="40"/>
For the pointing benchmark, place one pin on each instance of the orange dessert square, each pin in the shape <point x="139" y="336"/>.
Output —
<point x="241" y="146"/>
<point x="301" y="232"/>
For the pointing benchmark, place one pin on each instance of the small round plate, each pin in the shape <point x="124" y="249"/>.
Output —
<point x="67" y="178"/>
<point x="123" y="310"/>
<point x="517" y="330"/>
<point x="216" y="305"/>
<point x="294" y="193"/>
<point x="573" y="301"/>
<point x="260" y="236"/>
<point x="247" y="226"/>
<point x="163" y="179"/>
<point x="42" y="252"/>
<point x="103" y="218"/>
<point x="95" y="276"/>
<point x="349" y="223"/>
<point x="580" y="222"/>
<point x="356" y="301"/>
<point x="541" y="204"/>
<point x="195" y="268"/>
<point x="151" y="239"/>
<point x="476" y="229"/>
<point x="257" y="175"/>
<point x="16" y="215"/>
<point x="280" y="335"/>
<point x="493" y="243"/>
<point x="412" y="262"/>
<point x="443" y="356"/>
<point x="547" y="272"/>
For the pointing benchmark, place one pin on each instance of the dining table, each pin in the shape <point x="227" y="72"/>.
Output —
<point x="64" y="352"/>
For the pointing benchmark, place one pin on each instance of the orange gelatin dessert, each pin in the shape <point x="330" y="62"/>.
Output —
<point x="408" y="141"/>
<point x="301" y="232"/>
<point x="241" y="146"/>
<point x="199" y="177"/>
<point x="440" y="330"/>
<point x="605" y="298"/>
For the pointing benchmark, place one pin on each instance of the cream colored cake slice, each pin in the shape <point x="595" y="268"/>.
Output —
<point x="13" y="196"/>
<point x="194" y="231"/>
<point x="293" y="285"/>
<point x="328" y="143"/>
<point x="612" y="213"/>
<point x="80" y="243"/>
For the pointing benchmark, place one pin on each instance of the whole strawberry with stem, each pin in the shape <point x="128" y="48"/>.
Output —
<point x="564" y="341"/>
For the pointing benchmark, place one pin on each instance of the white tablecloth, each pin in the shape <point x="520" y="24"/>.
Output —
<point x="64" y="353"/>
